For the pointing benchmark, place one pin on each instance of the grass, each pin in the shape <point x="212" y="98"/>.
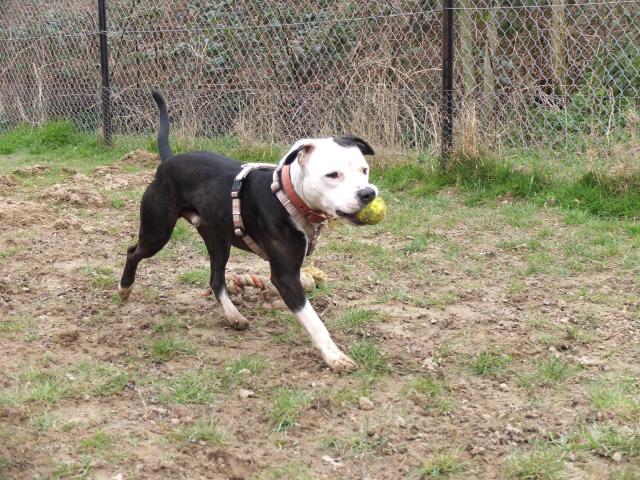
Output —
<point x="607" y="440"/>
<point x="620" y="395"/>
<point x="169" y="347"/>
<point x="355" y="320"/>
<point x="542" y="462"/>
<point x="170" y="324"/>
<point x="241" y="371"/>
<point x="288" y="471"/>
<point x="37" y="386"/>
<point x="485" y="179"/>
<point x="368" y="441"/>
<point x="197" y="388"/>
<point x="370" y="359"/>
<point x="197" y="278"/>
<point x="203" y="431"/>
<point x="446" y="464"/>
<point x="549" y="372"/>
<point x="16" y="323"/>
<point x="100" y="442"/>
<point x="287" y="406"/>
<point x="101" y="277"/>
<point x="182" y="232"/>
<point x="489" y="362"/>
<point x="431" y="393"/>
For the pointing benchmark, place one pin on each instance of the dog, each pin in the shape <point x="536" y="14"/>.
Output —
<point x="327" y="177"/>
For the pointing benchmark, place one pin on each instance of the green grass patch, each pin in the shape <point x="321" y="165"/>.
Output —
<point x="197" y="388"/>
<point x="289" y="471"/>
<point x="354" y="320"/>
<point x="368" y="441"/>
<point x="99" y="442"/>
<point x="433" y="394"/>
<point x="485" y="179"/>
<point x="549" y="372"/>
<point x="489" y="362"/>
<point x="288" y="404"/>
<point x="447" y="464"/>
<point x="197" y="278"/>
<point x="182" y="232"/>
<point x="43" y="387"/>
<point x="607" y="440"/>
<point x="620" y="395"/>
<point x="170" y="324"/>
<point x="541" y="462"/>
<point x="203" y="431"/>
<point x="73" y="470"/>
<point x="164" y="349"/>
<point x="241" y="371"/>
<point x="16" y="323"/>
<point x="50" y="136"/>
<point x="100" y="277"/>
<point x="369" y="357"/>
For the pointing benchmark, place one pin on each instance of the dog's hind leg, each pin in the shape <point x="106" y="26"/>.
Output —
<point x="219" y="255"/>
<point x="158" y="216"/>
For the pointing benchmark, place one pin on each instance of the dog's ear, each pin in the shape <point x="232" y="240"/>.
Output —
<point x="351" y="141"/>
<point x="300" y="150"/>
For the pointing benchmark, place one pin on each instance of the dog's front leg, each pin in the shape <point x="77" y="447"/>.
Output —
<point x="286" y="278"/>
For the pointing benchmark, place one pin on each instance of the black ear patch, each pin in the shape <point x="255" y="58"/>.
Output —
<point x="294" y="153"/>
<point x="351" y="141"/>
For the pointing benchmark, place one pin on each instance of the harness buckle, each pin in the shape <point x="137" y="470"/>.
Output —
<point x="239" y="232"/>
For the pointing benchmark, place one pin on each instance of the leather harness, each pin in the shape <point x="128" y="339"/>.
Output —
<point x="310" y="222"/>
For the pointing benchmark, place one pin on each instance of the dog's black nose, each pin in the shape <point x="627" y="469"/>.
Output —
<point x="366" y="195"/>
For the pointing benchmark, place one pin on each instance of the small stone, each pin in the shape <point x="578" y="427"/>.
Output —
<point x="365" y="403"/>
<point x="617" y="457"/>
<point x="503" y="387"/>
<point x="246" y="393"/>
<point x="331" y="461"/>
<point x="244" y="372"/>
<point x="117" y="477"/>
<point x="400" y="422"/>
<point x="175" y="421"/>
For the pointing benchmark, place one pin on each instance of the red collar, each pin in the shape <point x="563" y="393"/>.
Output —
<point x="312" y="216"/>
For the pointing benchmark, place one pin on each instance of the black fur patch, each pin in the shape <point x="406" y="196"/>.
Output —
<point x="351" y="141"/>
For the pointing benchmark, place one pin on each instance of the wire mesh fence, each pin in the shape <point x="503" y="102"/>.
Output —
<point x="550" y="74"/>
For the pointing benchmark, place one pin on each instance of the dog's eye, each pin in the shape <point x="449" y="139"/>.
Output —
<point x="365" y="170"/>
<point x="332" y="175"/>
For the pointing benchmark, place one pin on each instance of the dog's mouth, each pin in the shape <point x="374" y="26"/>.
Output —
<point x="349" y="217"/>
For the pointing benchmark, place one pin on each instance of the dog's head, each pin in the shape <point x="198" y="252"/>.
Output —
<point x="334" y="175"/>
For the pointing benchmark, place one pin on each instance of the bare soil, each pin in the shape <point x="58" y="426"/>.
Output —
<point x="63" y="248"/>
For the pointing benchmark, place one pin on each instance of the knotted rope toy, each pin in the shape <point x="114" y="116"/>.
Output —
<point x="270" y="299"/>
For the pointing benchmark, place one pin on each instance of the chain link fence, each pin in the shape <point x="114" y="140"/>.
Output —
<point x="558" y="74"/>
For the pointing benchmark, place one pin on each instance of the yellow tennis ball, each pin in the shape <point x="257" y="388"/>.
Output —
<point x="372" y="213"/>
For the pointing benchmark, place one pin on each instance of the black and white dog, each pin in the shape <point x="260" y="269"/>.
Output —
<point x="330" y="175"/>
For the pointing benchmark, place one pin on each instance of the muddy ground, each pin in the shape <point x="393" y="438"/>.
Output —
<point x="159" y="387"/>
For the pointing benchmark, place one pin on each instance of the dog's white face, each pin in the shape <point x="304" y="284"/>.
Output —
<point x="335" y="175"/>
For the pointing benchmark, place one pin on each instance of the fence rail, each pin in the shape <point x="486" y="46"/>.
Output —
<point x="561" y="75"/>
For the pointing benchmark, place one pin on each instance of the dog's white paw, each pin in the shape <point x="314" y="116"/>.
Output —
<point x="339" y="362"/>
<point x="237" y="321"/>
<point x="124" y="292"/>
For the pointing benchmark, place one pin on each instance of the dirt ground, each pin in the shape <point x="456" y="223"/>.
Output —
<point x="487" y="335"/>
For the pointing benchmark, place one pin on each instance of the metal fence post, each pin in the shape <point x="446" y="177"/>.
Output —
<point x="104" y="69"/>
<point x="447" y="79"/>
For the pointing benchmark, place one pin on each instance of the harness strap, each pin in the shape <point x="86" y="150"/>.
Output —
<point x="236" y="209"/>
<point x="311" y="223"/>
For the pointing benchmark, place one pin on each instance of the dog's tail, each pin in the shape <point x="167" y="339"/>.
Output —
<point x="164" y="149"/>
